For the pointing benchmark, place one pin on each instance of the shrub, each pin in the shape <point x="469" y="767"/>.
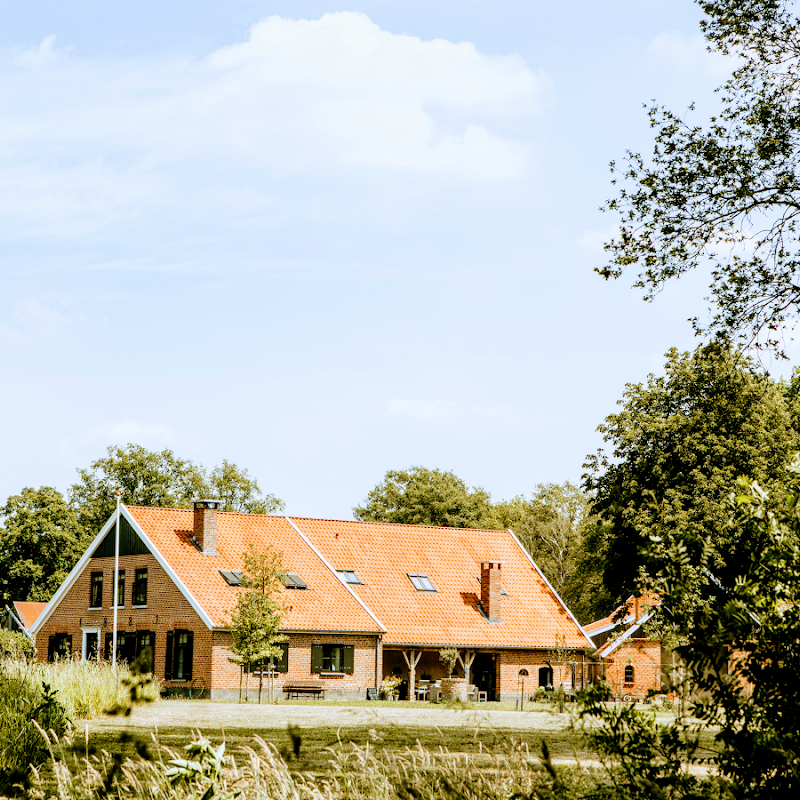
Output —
<point x="15" y="645"/>
<point x="24" y="700"/>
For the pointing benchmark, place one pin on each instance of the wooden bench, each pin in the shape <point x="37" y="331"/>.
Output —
<point x="294" y="690"/>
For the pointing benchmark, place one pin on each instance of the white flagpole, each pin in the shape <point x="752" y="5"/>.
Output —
<point x="116" y="590"/>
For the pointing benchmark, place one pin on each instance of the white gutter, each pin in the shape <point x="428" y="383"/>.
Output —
<point x="628" y="633"/>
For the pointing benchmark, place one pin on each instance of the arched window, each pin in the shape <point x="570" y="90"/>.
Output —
<point x="629" y="673"/>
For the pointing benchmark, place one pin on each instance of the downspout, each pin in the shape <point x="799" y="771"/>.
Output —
<point x="378" y="643"/>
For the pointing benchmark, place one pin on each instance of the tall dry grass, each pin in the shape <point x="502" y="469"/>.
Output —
<point x="259" y="772"/>
<point x="84" y="688"/>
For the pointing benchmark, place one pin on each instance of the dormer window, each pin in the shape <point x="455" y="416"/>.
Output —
<point x="348" y="576"/>
<point x="232" y="576"/>
<point x="422" y="583"/>
<point x="292" y="580"/>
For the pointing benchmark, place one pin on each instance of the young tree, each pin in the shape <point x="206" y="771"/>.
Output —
<point x="419" y="496"/>
<point x="676" y="446"/>
<point x="40" y="541"/>
<point x="259" y="612"/>
<point x="726" y="194"/>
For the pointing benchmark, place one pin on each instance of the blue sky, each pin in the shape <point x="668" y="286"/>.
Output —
<point x="323" y="241"/>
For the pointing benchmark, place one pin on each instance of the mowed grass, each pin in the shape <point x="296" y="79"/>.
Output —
<point x="308" y="747"/>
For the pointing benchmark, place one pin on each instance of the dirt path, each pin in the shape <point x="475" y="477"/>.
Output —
<point x="199" y="714"/>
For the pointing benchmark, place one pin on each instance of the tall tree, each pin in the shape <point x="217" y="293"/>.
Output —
<point x="40" y="541"/>
<point x="676" y="447"/>
<point x="239" y="491"/>
<point x="149" y="478"/>
<point x="145" y="478"/>
<point x="725" y="194"/>
<point x="553" y="524"/>
<point x="259" y="612"/>
<point x="420" y="496"/>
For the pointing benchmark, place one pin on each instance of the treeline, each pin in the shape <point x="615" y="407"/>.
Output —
<point x="44" y="533"/>
<point x="671" y="458"/>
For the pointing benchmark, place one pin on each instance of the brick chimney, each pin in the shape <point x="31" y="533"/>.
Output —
<point x="205" y="526"/>
<point x="491" y="589"/>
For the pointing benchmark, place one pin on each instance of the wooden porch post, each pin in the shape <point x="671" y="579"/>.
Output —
<point x="466" y="662"/>
<point x="412" y="658"/>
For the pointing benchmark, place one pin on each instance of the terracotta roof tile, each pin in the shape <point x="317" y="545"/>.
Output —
<point x="28" y="611"/>
<point x="325" y="605"/>
<point x="383" y="553"/>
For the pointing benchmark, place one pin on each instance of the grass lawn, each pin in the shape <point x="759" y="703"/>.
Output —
<point x="303" y="731"/>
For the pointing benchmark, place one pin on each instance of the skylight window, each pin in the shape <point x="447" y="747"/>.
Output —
<point x="232" y="576"/>
<point x="292" y="580"/>
<point x="422" y="583"/>
<point x="348" y="576"/>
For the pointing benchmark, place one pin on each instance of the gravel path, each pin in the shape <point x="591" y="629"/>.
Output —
<point x="169" y="713"/>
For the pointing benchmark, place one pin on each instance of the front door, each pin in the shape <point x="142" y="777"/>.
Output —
<point x="484" y="674"/>
<point x="91" y="643"/>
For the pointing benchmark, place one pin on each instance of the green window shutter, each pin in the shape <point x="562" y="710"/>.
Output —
<point x="107" y="649"/>
<point x="51" y="648"/>
<point x="282" y="662"/>
<point x="348" y="652"/>
<point x="128" y="647"/>
<point x="187" y="659"/>
<point x="316" y="658"/>
<point x="168" y="661"/>
<point x="68" y="638"/>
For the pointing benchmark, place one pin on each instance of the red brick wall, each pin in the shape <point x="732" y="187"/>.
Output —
<point x="510" y="662"/>
<point x="167" y="609"/>
<point x="225" y="675"/>
<point x="644" y="655"/>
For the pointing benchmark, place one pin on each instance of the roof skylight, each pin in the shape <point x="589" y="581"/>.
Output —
<point x="232" y="576"/>
<point x="348" y="576"/>
<point x="291" y="580"/>
<point x="422" y="583"/>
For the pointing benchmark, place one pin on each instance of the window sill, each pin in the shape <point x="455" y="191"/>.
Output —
<point x="95" y="608"/>
<point x="144" y="606"/>
<point x="333" y="674"/>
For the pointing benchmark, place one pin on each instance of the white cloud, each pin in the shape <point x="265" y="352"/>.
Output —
<point x="46" y="54"/>
<point x="690" y="54"/>
<point x="32" y="318"/>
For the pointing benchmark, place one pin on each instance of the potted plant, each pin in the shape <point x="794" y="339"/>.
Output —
<point x="389" y="687"/>
<point x="452" y="688"/>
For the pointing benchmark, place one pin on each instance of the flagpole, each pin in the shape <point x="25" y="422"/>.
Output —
<point x="116" y="590"/>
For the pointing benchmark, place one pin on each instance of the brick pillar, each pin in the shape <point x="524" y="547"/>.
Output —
<point x="490" y="590"/>
<point x="205" y="526"/>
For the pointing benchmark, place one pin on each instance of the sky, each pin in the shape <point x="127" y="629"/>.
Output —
<point x="323" y="241"/>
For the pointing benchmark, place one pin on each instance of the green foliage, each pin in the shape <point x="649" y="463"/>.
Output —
<point x="24" y="703"/>
<point x="15" y="645"/>
<point x="260" y="609"/>
<point x="419" y="496"/>
<point x="554" y="525"/>
<point x="40" y="541"/>
<point x="148" y="478"/>
<point x="645" y="759"/>
<point x="676" y="447"/>
<point x="742" y="633"/>
<point x="709" y="188"/>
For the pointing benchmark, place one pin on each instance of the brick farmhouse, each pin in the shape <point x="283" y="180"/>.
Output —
<point x="365" y="601"/>
<point x="632" y="662"/>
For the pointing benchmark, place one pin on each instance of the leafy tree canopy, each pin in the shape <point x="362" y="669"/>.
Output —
<point x="148" y="478"/>
<point x="40" y="541"/>
<point x="553" y="525"/>
<point x="725" y="194"/>
<point x="420" y="496"/>
<point x="678" y="444"/>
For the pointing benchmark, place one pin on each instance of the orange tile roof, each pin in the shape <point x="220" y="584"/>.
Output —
<point x="383" y="553"/>
<point x="645" y="603"/>
<point x="28" y="611"/>
<point x="326" y="605"/>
